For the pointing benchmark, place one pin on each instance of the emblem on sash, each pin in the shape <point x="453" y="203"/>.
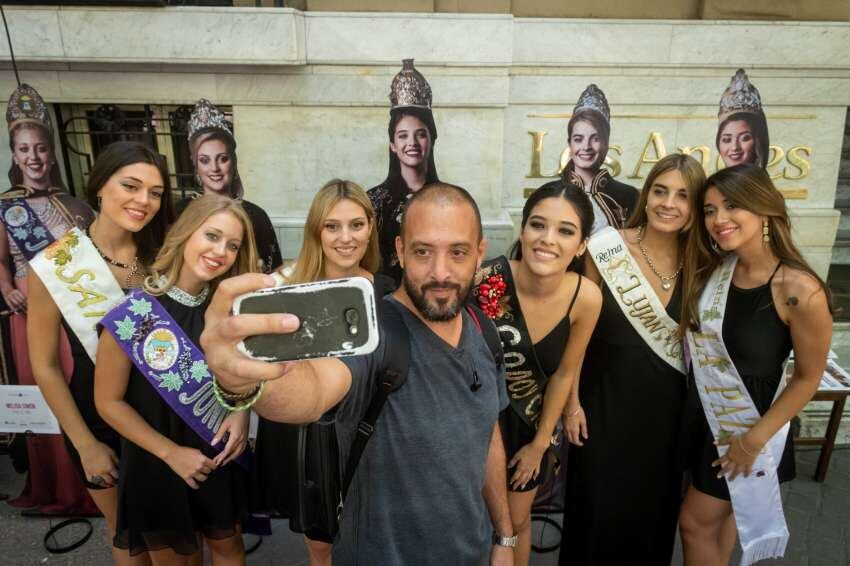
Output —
<point x="160" y="349"/>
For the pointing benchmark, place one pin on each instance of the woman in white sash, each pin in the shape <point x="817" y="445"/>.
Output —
<point x="129" y="186"/>
<point x="545" y="313"/>
<point x="340" y="240"/>
<point x="176" y="489"/>
<point x="775" y="303"/>
<point x="624" y="472"/>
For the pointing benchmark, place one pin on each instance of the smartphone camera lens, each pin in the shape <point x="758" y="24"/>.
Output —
<point x="352" y="317"/>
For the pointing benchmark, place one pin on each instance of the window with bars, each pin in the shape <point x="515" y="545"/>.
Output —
<point x="84" y="130"/>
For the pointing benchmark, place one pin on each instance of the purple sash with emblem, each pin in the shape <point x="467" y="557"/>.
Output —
<point x="25" y="227"/>
<point x="170" y="361"/>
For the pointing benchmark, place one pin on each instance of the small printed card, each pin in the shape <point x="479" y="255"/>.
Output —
<point x="23" y="409"/>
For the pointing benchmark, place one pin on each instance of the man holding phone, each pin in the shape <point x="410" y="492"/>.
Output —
<point x="436" y="464"/>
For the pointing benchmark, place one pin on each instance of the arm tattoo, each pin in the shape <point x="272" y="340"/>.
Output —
<point x="792" y="301"/>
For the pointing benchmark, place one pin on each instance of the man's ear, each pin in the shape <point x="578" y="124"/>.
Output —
<point x="399" y="250"/>
<point x="482" y="251"/>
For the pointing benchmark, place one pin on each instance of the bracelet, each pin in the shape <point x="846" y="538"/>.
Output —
<point x="574" y="413"/>
<point x="747" y="452"/>
<point x="230" y="395"/>
<point x="243" y="404"/>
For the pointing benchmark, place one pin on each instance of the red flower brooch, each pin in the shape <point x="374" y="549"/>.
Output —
<point x="490" y="291"/>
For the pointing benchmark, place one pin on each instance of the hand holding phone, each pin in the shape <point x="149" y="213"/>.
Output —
<point x="337" y="318"/>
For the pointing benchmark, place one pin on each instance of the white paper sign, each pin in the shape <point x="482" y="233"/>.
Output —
<point x="23" y="409"/>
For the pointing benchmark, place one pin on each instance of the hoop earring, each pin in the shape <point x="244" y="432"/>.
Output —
<point x="714" y="246"/>
<point x="765" y="231"/>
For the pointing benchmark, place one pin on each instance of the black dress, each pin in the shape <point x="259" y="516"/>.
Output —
<point x="82" y="390"/>
<point x="156" y="508"/>
<point x="267" y="247"/>
<point x="516" y="433"/>
<point x="275" y="482"/>
<point x="758" y="342"/>
<point x="388" y="200"/>
<point x="624" y="484"/>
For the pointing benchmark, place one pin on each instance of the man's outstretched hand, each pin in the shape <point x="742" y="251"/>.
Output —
<point x="223" y="331"/>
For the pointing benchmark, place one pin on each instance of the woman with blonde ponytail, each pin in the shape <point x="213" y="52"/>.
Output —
<point x="749" y="300"/>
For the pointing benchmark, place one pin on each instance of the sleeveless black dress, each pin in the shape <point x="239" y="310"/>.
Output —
<point x="759" y="342"/>
<point x="275" y="481"/>
<point x="624" y="485"/>
<point x="549" y="350"/>
<point x="156" y="508"/>
<point x="82" y="390"/>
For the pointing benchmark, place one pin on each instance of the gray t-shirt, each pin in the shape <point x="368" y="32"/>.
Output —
<point x="416" y="495"/>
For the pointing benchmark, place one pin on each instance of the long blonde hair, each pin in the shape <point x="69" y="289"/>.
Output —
<point x="169" y="260"/>
<point x="311" y="259"/>
<point x="748" y="187"/>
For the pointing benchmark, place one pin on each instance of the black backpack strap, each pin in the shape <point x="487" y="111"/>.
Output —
<point x="392" y="374"/>
<point x="489" y="331"/>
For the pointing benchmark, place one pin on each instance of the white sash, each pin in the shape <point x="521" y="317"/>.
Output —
<point x="80" y="282"/>
<point x="729" y="410"/>
<point x="636" y="297"/>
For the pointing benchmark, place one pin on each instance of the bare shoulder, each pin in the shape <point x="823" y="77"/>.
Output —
<point x="590" y="296"/>
<point x="795" y="287"/>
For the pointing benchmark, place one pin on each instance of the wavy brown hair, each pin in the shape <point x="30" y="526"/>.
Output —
<point x="169" y="260"/>
<point x="310" y="264"/>
<point x="749" y="187"/>
<point x="694" y="177"/>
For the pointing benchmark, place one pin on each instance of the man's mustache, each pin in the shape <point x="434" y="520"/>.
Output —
<point x="440" y="286"/>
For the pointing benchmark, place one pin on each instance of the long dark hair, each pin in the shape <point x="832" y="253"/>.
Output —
<point x="235" y="190"/>
<point x="573" y="195"/>
<point x="121" y="154"/>
<point x="749" y="187"/>
<point x="602" y="127"/>
<point x="758" y="126"/>
<point x="394" y="175"/>
<point x="16" y="176"/>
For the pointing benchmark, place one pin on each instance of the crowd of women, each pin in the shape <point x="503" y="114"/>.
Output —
<point x="649" y="328"/>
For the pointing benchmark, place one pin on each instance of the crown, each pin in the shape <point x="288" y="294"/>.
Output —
<point x="205" y="116"/>
<point x="593" y="99"/>
<point x="740" y="96"/>
<point x="409" y="88"/>
<point x="26" y="105"/>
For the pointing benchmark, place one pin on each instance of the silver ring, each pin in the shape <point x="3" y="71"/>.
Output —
<point x="97" y="480"/>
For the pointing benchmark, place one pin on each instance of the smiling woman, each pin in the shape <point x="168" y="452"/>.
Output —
<point x="742" y="135"/>
<point x="173" y="483"/>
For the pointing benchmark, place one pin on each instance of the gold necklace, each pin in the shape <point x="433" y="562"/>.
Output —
<point x="666" y="280"/>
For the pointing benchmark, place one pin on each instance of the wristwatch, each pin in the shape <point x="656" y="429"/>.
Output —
<point x="509" y="542"/>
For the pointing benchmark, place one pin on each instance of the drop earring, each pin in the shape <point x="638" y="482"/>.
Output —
<point x="714" y="246"/>
<point x="765" y="231"/>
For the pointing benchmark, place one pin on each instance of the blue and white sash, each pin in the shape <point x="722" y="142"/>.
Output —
<point x="756" y="500"/>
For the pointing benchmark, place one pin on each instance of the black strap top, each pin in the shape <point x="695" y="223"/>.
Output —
<point x="757" y="340"/>
<point x="550" y="348"/>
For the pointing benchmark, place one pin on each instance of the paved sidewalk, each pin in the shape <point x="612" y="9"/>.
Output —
<point x="818" y="517"/>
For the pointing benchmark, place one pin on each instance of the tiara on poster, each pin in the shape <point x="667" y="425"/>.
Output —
<point x="205" y="116"/>
<point x="26" y="105"/>
<point x="409" y="88"/>
<point x="593" y="99"/>
<point x="740" y="96"/>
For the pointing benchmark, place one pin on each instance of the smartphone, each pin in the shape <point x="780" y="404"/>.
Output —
<point x="338" y="318"/>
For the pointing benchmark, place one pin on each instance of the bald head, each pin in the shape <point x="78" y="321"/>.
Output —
<point x="441" y="195"/>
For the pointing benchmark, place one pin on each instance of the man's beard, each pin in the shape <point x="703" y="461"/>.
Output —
<point x="440" y="310"/>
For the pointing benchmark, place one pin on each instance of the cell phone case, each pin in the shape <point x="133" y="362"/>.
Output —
<point x="337" y="319"/>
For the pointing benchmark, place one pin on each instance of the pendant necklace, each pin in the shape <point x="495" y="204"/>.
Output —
<point x="133" y="267"/>
<point x="666" y="280"/>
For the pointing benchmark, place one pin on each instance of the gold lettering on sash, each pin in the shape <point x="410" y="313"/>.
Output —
<point x="622" y="291"/>
<point x="532" y="410"/>
<point x="723" y="410"/>
<point x="730" y="393"/>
